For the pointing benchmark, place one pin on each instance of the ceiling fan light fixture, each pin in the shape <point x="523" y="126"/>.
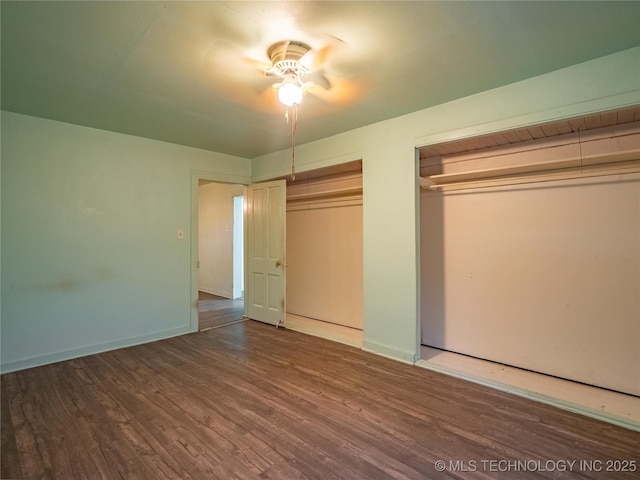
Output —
<point x="290" y="93"/>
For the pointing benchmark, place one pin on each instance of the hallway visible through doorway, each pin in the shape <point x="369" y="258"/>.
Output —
<point x="215" y="311"/>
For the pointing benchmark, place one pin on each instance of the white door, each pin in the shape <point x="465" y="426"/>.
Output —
<point x="265" y="229"/>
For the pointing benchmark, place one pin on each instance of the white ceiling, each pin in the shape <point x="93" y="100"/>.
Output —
<point x="186" y="72"/>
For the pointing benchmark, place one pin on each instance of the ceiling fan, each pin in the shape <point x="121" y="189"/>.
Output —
<point x="256" y="73"/>
<point x="293" y="62"/>
<point x="294" y="68"/>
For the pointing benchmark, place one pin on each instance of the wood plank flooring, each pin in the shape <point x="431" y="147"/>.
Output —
<point x="249" y="401"/>
<point x="618" y="408"/>
<point x="215" y="311"/>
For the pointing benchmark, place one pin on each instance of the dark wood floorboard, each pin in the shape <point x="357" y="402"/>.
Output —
<point x="215" y="311"/>
<point x="250" y="401"/>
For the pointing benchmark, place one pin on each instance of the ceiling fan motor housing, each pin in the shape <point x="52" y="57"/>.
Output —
<point x="285" y="58"/>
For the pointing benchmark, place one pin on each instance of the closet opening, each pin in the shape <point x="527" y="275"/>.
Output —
<point x="530" y="253"/>
<point x="324" y="253"/>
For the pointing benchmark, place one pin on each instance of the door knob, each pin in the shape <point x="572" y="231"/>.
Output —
<point x="278" y="263"/>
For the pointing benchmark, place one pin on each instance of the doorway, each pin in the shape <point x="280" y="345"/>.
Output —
<point x="220" y="262"/>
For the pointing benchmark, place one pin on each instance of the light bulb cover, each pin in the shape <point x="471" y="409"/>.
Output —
<point x="290" y="93"/>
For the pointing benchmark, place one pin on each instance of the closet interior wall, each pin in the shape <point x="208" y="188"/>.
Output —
<point x="531" y="257"/>
<point x="324" y="249"/>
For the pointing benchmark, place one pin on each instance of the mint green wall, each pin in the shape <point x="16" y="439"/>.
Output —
<point x="90" y="259"/>
<point x="387" y="149"/>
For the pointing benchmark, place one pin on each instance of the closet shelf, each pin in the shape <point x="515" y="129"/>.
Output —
<point x="603" y="155"/>
<point x="341" y="192"/>
<point x="595" y="170"/>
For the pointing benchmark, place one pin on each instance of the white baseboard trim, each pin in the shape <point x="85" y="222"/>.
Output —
<point x="39" y="360"/>
<point x="329" y="331"/>
<point x="522" y="392"/>
<point x="213" y="291"/>
<point x="389" y="352"/>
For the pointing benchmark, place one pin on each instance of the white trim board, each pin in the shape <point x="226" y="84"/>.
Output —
<point x="328" y="331"/>
<point x="217" y="293"/>
<point x="98" y="348"/>
<point x="388" y="352"/>
<point x="605" y="405"/>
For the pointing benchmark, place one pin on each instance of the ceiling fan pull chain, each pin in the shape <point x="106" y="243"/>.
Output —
<point x="293" y="142"/>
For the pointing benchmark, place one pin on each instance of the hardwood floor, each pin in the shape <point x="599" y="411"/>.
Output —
<point x="215" y="311"/>
<point x="599" y="403"/>
<point x="250" y="401"/>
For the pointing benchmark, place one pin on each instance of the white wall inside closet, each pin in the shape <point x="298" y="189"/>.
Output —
<point x="215" y="237"/>
<point x="543" y="276"/>
<point x="324" y="249"/>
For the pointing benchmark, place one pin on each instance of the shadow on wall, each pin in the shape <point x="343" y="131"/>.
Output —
<point x="432" y="305"/>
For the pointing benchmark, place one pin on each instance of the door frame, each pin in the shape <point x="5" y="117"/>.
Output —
<point x="196" y="176"/>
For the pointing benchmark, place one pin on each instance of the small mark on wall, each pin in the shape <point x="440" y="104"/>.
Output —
<point x="68" y="283"/>
<point x="104" y="273"/>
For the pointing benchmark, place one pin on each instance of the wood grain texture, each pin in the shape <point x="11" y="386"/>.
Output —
<point x="215" y="311"/>
<point x="250" y="401"/>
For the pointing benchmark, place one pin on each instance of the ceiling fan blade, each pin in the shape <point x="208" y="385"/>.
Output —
<point x="256" y="64"/>
<point x="318" y="78"/>
<point x="269" y="72"/>
<point x="342" y="92"/>
<point x="268" y="101"/>
<point x="315" y="58"/>
<point x="265" y="83"/>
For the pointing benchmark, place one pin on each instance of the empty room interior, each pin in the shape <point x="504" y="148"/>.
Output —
<point x="320" y="240"/>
